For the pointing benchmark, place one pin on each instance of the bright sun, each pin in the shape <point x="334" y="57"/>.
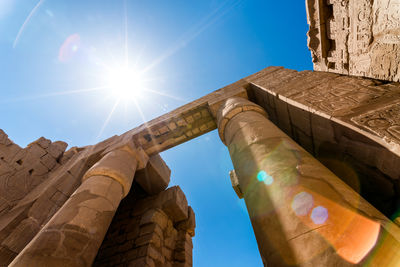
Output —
<point x="125" y="83"/>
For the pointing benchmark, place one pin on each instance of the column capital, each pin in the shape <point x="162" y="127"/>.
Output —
<point x="119" y="165"/>
<point x="232" y="107"/>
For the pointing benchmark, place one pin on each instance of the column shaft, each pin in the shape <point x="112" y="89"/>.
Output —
<point x="302" y="214"/>
<point x="74" y="234"/>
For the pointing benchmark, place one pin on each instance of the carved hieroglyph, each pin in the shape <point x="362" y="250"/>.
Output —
<point x="356" y="37"/>
<point x="384" y="122"/>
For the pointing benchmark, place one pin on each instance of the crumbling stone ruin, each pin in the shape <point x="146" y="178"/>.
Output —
<point x="152" y="225"/>
<point x="316" y="158"/>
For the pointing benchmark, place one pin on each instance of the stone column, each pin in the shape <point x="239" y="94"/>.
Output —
<point x="74" y="234"/>
<point x="301" y="213"/>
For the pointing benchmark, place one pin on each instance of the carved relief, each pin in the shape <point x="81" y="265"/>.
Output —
<point x="338" y="32"/>
<point x="361" y="36"/>
<point x="340" y="96"/>
<point x="364" y="38"/>
<point x="384" y="122"/>
<point x="387" y="21"/>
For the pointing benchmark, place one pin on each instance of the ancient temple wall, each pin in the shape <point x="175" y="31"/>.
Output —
<point x="22" y="169"/>
<point x="321" y="111"/>
<point x="356" y="37"/>
<point x="150" y="231"/>
<point x="24" y="172"/>
<point x="30" y="201"/>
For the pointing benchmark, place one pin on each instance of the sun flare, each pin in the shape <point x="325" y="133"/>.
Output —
<point x="125" y="83"/>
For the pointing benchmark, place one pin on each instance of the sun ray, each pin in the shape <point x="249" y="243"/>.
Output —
<point x="126" y="33"/>
<point x="34" y="97"/>
<point x="107" y="120"/>
<point x="165" y="94"/>
<point x="145" y="122"/>
<point x="195" y="31"/>
<point x="140" y="111"/>
<point x="139" y="55"/>
<point x="28" y="18"/>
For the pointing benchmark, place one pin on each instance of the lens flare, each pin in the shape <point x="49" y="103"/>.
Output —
<point x="319" y="215"/>
<point x="262" y="176"/>
<point x="70" y="46"/>
<point x="302" y="203"/>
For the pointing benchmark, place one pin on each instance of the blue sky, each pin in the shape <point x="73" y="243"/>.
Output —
<point x="55" y="62"/>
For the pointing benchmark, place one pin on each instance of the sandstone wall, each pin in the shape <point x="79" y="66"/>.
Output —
<point x="150" y="231"/>
<point x="356" y="37"/>
<point x="350" y="124"/>
<point x="37" y="180"/>
<point x="22" y="169"/>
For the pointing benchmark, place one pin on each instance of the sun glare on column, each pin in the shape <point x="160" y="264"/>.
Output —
<point x="125" y="83"/>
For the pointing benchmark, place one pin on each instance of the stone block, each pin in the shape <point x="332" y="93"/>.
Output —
<point x="300" y="118"/>
<point x="131" y="255"/>
<point x="6" y="255"/>
<point x="66" y="183"/>
<point x="142" y="262"/>
<point x="151" y="228"/>
<point x="133" y="231"/>
<point x="169" y="242"/>
<point x="3" y="137"/>
<point x="68" y="155"/>
<point x="147" y="239"/>
<point x="155" y="177"/>
<point x="9" y="152"/>
<point x="126" y="246"/>
<point x="167" y="253"/>
<point x="21" y="235"/>
<point x="153" y="253"/>
<point x="390" y="165"/>
<point x="35" y="151"/>
<point x="43" y="142"/>
<point x="59" y="198"/>
<point x="304" y="140"/>
<point x="181" y="264"/>
<point x="154" y="216"/>
<point x="283" y="116"/>
<point x="48" y="161"/>
<point x="174" y="204"/>
<point x="43" y="207"/>
<point x="56" y="149"/>
<point x="5" y="168"/>
<point x="189" y="224"/>
<point x="39" y="169"/>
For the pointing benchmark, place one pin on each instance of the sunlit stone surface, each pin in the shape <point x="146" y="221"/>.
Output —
<point x="52" y="214"/>
<point x="305" y="215"/>
<point x="357" y="37"/>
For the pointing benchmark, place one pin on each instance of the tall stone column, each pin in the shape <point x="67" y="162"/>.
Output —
<point x="74" y="234"/>
<point x="301" y="213"/>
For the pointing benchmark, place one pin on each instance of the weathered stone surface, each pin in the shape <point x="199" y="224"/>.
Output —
<point x="189" y="224"/>
<point x="235" y="184"/>
<point x="338" y="118"/>
<point x="78" y="228"/>
<point x="155" y="177"/>
<point x="298" y="208"/>
<point x="119" y="165"/>
<point x="358" y="37"/>
<point x="148" y="237"/>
